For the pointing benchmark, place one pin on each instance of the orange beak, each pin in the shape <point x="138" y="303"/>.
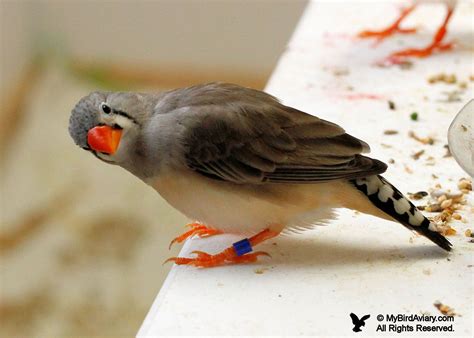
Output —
<point x="104" y="139"/>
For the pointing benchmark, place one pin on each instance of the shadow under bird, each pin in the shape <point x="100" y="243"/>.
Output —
<point x="236" y="160"/>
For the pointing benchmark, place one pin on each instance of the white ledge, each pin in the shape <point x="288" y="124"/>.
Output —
<point x="358" y="263"/>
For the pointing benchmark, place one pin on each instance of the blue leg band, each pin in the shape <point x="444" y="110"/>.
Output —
<point x="242" y="247"/>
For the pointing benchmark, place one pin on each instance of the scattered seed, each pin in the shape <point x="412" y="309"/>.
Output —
<point x="446" y="204"/>
<point x="391" y="161"/>
<point x="433" y="207"/>
<point x="444" y="309"/>
<point x="457" y="217"/>
<point x="442" y="198"/>
<point x="423" y="140"/>
<point x="430" y="160"/>
<point x="340" y="71"/>
<point x="456" y="197"/>
<point x="391" y="105"/>
<point x="417" y="195"/>
<point x="390" y="132"/>
<point x="417" y="155"/>
<point x="414" y="116"/>
<point x="442" y="77"/>
<point x="449" y="231"/>
<point x="465" y="184"/>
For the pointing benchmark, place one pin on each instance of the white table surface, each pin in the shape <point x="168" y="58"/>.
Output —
<point x="358" y="263"/>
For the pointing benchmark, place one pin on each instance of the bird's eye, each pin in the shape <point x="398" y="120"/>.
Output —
<point x="105" y="108"/>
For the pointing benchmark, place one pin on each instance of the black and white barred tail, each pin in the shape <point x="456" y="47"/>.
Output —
<point x="392" y="202"/>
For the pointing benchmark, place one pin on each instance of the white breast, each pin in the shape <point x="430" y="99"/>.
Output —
<point x="235" y="208"/>
<point x="247" y="208"/>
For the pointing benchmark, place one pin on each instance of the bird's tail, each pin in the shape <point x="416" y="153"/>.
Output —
<point x="391" y="201"/>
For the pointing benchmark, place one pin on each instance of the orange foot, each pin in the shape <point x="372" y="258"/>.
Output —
<point x="196" y="229"/>
<point x="230" y="255"/>
<point x="392" y="29"/>
<point x="436" y="45"/>
<point x="226" y="257"/>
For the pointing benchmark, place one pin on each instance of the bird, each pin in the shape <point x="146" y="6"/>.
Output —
<point x="358" y="322"/>
<point x="236" y="160"/>
<point x="436" y="45"/>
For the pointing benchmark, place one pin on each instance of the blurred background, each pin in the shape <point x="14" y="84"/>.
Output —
<point x="82" y="243"/>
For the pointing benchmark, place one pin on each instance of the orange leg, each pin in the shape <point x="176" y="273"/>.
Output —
<point x="232" y="255"/>
<point x="392" y="29"/>
<point x="196" y="229"/>
<point x="435" y="45"/>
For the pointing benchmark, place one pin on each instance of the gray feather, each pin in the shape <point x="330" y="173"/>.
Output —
<point x="84" y="117"/>
<point x="246" y="136"/>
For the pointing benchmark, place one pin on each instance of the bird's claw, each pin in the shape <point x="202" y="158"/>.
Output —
<point x="383" y="34"/>
<point x="400" y="57"/>
<point x="197" y="229"/>
<point x="392" y="29"/>
<point x="226" y="257"/>
<point x="422" y="52"/>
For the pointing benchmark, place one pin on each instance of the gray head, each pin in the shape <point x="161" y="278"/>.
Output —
<point x="108" y="124"/>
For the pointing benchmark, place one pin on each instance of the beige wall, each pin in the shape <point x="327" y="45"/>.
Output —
<point x="15" y="42"/>
<point x="215" y="36"/>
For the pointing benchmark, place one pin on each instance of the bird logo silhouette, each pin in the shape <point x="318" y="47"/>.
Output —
<point x="358" y="322"/>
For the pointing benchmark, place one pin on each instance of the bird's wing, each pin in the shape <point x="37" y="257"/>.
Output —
<point x="259" y="140"/>
<point x="355" y="319"/>
<point x="364" y="318"/>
